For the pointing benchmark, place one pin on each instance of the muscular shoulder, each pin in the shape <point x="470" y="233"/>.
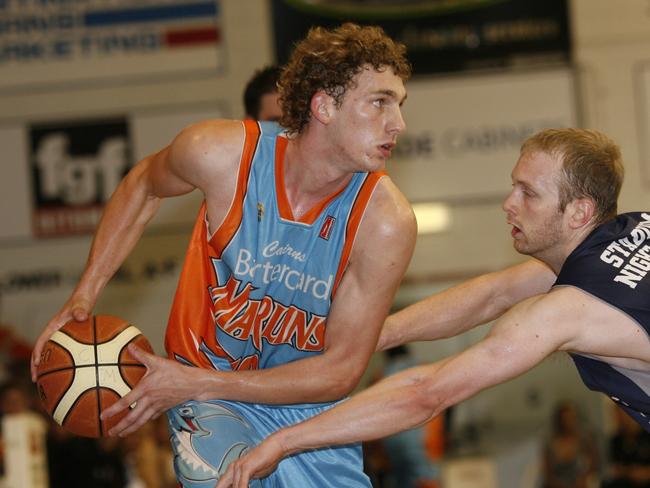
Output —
<point x="598" y="328"/>
<point x="206" y="150"/>
<point x="390" y="213"/>
<point x="388" y="224"/>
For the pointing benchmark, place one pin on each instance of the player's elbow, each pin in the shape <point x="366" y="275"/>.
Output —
<point x="426" y="397"/>
<point x="340" y="380"/>
<point x="343" y="384"/>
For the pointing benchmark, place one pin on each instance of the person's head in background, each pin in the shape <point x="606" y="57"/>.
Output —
<point x="565" y="418"/>
<point x="261" y="97"/>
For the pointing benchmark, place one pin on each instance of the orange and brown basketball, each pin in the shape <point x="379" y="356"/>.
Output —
<point x="85" y="367"/>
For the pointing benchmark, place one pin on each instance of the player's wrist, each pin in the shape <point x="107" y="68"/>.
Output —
<point x="207" y="384"/>
<point x="285" y="441"/>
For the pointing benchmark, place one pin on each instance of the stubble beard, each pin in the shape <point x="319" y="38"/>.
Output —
<point x="542" y="240"/>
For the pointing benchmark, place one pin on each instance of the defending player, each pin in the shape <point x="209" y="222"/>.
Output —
<point x="562" y="209"/>
<point x="292" y="266"/>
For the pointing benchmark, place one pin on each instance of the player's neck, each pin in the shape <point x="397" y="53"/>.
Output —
<point x="310" y="172"/>
<point x="556" y="256"/>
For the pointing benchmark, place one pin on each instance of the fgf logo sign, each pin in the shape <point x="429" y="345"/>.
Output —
<point x="75" y="168"/>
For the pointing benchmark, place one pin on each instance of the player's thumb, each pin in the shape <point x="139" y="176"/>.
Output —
<point x="80" y="310"/>
<point x="35" y="358"/>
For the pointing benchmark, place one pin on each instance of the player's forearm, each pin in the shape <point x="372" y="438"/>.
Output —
<point x="315" y="379"/>
<point x="395" y="404"/>
<point x="464" y="306"/>
<point x="120" y="228"/>
<point x="442" y="315"/>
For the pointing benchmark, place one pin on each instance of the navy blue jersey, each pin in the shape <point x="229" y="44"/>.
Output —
<point x="613" y="264"/>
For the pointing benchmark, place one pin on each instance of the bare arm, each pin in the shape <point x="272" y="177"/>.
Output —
<point x="520" y="339"/>
<point x="467" y="305"/>
<point x="175" y="170"/>
<point x="379" y="258"/>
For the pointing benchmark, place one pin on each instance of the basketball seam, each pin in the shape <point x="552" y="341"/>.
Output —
<point x="66" y="368"/>
<point x="97" y="387"/>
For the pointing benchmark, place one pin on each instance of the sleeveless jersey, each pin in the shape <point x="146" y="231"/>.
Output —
<point x="257" y="293"/>
<point x="612" y="264"/>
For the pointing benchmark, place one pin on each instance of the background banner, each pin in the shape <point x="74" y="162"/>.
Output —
<point x="442" y="35"/>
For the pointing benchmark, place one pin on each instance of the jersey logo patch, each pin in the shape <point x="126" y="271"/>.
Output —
<point x="326" y="229"/>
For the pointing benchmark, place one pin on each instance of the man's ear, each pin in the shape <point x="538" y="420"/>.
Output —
<point x="582" y="211"/>
<point x="322" y="106"/>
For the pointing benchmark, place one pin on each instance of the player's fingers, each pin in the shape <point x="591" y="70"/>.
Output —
<point x="226" y="479"/>
<point x="78" y="311"/>
<point x="141" y="355"/>
<point x="129" y="400"/>
<point x="36" y="357"/>
<point x="139" y="421"/>
<point x="243" y="479"/>
<point x="236" y="481"/>
<point x="42" y="339"/>
<point x="138" y="415"/>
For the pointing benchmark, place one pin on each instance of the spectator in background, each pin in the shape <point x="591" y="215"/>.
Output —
<point x="261" y="97"/>
<point x="629" y="454"/>
<point x="81" y="462"/>
<point x="16" y="397"/>
<point x="570" y="457"/>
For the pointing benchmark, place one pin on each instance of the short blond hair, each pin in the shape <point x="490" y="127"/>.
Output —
<point x="592" y="166"/>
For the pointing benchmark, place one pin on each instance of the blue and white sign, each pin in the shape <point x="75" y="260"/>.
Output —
<point x="59" y="41"/>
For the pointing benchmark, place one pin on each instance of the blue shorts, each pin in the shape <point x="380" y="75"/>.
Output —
<point x="207" y="436"/>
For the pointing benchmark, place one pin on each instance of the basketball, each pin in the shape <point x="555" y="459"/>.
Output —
<point x="85" y="367"/>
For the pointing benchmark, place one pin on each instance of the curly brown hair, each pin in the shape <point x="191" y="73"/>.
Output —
<point x="329" y="60"/>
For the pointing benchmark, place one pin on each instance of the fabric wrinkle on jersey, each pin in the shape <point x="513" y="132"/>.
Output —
<point x="611" y="264"/>
<point x="256" y="294"/>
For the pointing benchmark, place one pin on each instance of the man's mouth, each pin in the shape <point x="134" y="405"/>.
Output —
<point x="387" y="148"/>
<point x="515" y="230"/>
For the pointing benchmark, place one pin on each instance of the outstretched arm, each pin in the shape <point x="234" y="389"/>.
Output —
<point x="520" y="339"/>
<point x="175" y="170"/>
<point x="467" y="305"/>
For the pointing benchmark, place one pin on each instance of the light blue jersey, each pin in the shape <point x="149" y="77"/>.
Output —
<point x="255" y="295"/>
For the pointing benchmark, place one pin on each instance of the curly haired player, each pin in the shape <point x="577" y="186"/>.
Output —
<point x="293" y="263"/>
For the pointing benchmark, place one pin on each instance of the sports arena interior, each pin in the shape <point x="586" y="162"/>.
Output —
<point x="89" y="87"/>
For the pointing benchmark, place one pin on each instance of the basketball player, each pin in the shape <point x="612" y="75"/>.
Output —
<point x="261" y="96"/>
<point x="587" y="293"/>
<point x="292" y="266"/>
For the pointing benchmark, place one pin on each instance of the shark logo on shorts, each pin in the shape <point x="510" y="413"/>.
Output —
<point x="206" y="438"/>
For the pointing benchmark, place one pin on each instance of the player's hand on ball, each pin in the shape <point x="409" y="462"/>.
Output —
<point x="256" y="463"/>
<point x="77" y="308"/>
<point x="165" y="384"/>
